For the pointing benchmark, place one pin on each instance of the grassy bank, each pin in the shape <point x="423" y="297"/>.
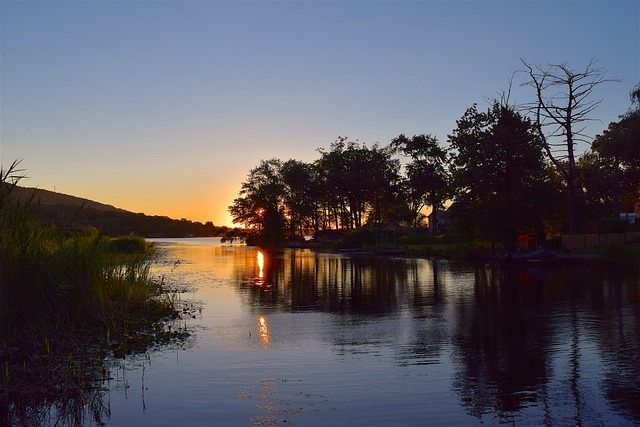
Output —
<point x="627" y="255"/>
<point x="54" y="280"/>
<point x="63" y="291"/>
<point x="413" y="242"/>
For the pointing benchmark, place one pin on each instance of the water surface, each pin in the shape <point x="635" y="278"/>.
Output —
<point x="307" y="339"/>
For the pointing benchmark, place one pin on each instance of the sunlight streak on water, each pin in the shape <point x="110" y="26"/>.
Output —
<point x="260" y="264"/>
<point x="378" y="342"/>
<point x="263" y="331"/>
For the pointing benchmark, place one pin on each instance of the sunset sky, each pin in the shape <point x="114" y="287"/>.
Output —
<point x="164" y="107"/>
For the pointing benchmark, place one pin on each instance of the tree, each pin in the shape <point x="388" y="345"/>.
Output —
<point x="358" y="182"/>
<point x="426" y="174"/>
<point x="599" y="186"/>
<point x="337" y="180"/>
<point x="260" y="205"/>
<point x="498" y="174"/>
<point x="560" y="112"/>
<point x="618" y="150"/>
<point x="298" y="180"/>
<point x="382" y="187"/>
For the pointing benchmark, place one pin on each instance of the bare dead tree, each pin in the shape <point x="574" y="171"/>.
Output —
<point x="503" y="96"/>
<point x="561" y="113"/>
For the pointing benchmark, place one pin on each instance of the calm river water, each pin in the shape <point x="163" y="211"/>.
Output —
<point x="313" y="339"/>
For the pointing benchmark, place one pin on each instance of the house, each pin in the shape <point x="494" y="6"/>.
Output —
<point x="631" y="217"/>
<point x="443" y="220"/>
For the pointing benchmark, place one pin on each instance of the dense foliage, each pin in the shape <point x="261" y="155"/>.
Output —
<point x="426" y="182"/>
<point x="497" y="173"/>
<point x="617" y="153"/>
<point x="347" y="187"/>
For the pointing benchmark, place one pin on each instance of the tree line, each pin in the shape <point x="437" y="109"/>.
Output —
<point x="69" y="212"/>
<point x="506" y="170"/>
<point x="122" y="223"/>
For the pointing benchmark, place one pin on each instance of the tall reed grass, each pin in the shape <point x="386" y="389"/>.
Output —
<point x="65" y="293"/>
<point x="57" y="281"/>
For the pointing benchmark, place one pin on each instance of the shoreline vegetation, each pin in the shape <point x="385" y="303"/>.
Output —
<point x="417" y="242"/>
<point x="69" y="298"/>
<point x="72" y="297"/>
<point x="505" y="172"/>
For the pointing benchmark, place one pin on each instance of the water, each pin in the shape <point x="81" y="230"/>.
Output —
<point x="330" y="340"/>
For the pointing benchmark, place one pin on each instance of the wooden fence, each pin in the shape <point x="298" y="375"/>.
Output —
<point x="583" y="241"/>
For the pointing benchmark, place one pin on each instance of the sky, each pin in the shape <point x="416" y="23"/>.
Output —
<point x="163" y="107"/>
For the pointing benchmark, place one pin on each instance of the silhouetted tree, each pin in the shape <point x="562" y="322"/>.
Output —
<point x="383" y="192"/>
<point x="618" y="151"/>
<point x="427" y="175"/>
<point x="358" y="183"/>
<point x="562" y="107"/>
<point x="298" y="180"/>
<point x="498" y="174"/>
<point x="260" y="205"/>
<point x="599" y="188"/>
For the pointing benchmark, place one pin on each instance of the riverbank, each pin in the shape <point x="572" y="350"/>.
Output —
<point x="69" y="296"/>
<point x="57" y="342"/>
<point x="67" y="304"/>
<point x="302" y="339"/>
<point x="456" y="248"/>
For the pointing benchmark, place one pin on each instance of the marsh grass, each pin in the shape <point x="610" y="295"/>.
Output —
<point x="52" y="282"/>
<point x="443" y="250"/>
<point x="413" y="241"/>
<point x="627" y="255"/>
<point x="63" y="291"/>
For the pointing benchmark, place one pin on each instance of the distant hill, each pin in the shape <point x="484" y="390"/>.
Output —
<point x="63" y="210"/>
<point x="46" y="197"/>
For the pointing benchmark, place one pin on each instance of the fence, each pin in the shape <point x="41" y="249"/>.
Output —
<point x="584" y="241"/>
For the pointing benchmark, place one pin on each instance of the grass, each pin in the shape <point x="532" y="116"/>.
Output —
<point x="628" y="255"/>
<point x="443" y="250"/>
<point x="414" y="242"/>
<point x="61" y="291"/>
<point x="52" y="282"/>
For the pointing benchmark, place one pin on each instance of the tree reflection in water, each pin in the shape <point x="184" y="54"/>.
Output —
<point x="521" y="338"/>
<point x="502" y="344"/>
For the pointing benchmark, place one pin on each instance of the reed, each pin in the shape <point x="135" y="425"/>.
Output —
<point x="64" y="279"/>
<point x="62" y="291"/>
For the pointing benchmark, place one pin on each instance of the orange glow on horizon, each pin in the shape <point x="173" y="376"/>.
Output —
<point x="197" y="203"/>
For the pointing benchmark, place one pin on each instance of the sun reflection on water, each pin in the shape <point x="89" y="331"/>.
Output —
<point x="260" y="264"/>
<point x="263" y="331"/>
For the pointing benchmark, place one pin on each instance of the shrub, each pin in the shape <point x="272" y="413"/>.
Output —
<point x="53" y="280"/>
<point x="128" y="245"/>
<point x="359" y="237"/>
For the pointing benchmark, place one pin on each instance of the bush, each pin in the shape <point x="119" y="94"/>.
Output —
<point x="128" y="245"/>
<point x="360" y="237"/>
